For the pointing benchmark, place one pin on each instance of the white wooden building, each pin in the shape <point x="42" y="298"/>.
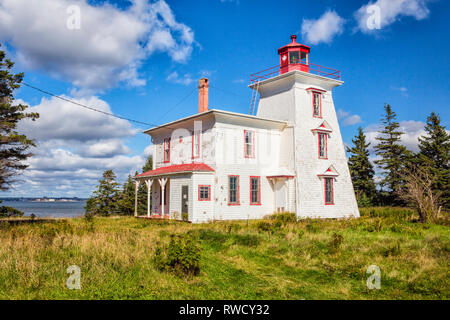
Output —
<point x="289" y="157"/>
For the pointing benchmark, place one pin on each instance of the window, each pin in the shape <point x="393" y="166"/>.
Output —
<point x="167" y="150"/>
<point x="249" y="144"/>
<point x="294" y="57"/>
<point x="322" y="145"/>
<point x="317" y="104"/>
<point x="233" y="190"/>
<point x="329" y="196"/>
<point x="196" y="144"/>
<point x="255" y="192"/>
<point x="204" y="193"/>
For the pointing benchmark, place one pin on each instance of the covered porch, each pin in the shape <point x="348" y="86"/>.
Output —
<point x="158" y="184"/>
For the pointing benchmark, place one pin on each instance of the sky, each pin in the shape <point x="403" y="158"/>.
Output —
<point x="142" y="60"/>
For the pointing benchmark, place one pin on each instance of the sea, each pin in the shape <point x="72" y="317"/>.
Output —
<point x="48" y="209"/>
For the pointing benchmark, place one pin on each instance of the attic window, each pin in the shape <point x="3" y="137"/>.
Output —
<point x="167" y="150"/>
<point x="249" y="144"/>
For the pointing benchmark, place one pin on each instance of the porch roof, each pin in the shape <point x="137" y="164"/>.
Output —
<point x="176" y="168"/>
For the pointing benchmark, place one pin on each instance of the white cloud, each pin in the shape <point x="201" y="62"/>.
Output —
<point x="107" y="49"/>
<point x="74" y="147"/>
<point x="403" y="90"/>
<point x="412" y="131"/>
<point x="324" y="29"/>
<point x="184" y="80"/>
<point x="390" y="11"/>
<point x="348" y="119"/>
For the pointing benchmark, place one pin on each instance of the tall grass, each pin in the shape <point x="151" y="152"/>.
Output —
<point x="275" y="258"/>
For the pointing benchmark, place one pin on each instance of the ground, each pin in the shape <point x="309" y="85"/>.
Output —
<point x="269" y="259"/>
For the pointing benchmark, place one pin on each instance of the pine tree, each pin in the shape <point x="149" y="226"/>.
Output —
<point x="126" y="199"/>
<point x="14" y="147"/>
<point x="393" y="155"/>
<point x="361" y="169"/>
<point x="434" y="152"/>
<point x="104" y="201"/>
<point x="148" y="164"/>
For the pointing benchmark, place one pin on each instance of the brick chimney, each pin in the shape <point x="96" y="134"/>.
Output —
<point x="203" y="87"/>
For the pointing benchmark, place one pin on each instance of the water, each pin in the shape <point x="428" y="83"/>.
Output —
<point x="48" y="209"/>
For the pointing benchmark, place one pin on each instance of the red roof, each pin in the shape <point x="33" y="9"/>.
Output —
<point x="176" y="168"/>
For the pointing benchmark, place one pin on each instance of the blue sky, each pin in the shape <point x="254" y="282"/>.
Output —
<point x="139" y="59"/>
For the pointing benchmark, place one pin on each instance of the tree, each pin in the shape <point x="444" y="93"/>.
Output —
<point x="434" y="153"/>
<point x="418" y="192"/>
<point x="14" y="147"/>
<point x="105" y="199"/>
<point x="148" y="164"/>
<point x="361" y="169"/>
<point x="126" y="199"/>
<point x="392" y="155"/>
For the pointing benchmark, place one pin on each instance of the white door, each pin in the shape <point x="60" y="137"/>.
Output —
<point x="280" y="196"/>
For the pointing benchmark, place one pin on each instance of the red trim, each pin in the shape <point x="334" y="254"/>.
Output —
<point x="238" y="196"/>
<point x="164" y="151"/>
<point x="253" y="144"/>
<point x="259" y="191"/>
<point x="326" y="145"/>
<point x="316" y="90"/>
<point x="176" y="168"/>
<point x="325" y="191"/>
<point x="209" y="192"/>
<point x="199" y="145"/>
<point x="282" y="176"/>
<point x="320" y="103"/>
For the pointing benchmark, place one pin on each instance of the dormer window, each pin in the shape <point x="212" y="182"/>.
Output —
<point x="167" y="150"/>
<point x="249" y="144"/>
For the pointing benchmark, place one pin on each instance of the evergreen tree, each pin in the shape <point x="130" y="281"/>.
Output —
<point x="104" y="201"/>
<point x="126" y="201"/>
<point x="14" y="147"/>
<point x="361" y="169"/>
<point x="148" y="164"/>
<point x="393" y="156"/>
<point x="434" y="152"/>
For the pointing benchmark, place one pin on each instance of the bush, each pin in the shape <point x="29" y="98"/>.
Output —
<point x="336" y="242"/>
<point x="182" y="256"/>
<point x="7" y="212"/>
<point x="284" y="217"/>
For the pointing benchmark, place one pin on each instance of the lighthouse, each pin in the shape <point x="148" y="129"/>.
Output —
<point x="301" y="93"/>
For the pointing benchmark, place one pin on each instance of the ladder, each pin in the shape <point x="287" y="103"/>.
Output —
<point x="254" y="99"/>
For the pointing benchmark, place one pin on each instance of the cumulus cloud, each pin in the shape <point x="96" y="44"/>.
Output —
<point x="324" y="29"/>
<point x="108" y="47"/>
<point x="74" y="147"/>
<point x="412" y="131"/>
<point x="381" y="13"/>
<point x="176" y="78"/>
<point x="348" y="119"/>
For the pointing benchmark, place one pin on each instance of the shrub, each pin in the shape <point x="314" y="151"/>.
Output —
<point x="182" y="256"/>
<point x="284" y="217"/>
<point x="7" y="212"/>
<point x="185" y="216"/>
<point x="313" y="227"/>
<point x="336" y="242"/>
<point x="264" y="226"/>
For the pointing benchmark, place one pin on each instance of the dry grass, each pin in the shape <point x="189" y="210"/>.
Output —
<point x="294" y="260"/>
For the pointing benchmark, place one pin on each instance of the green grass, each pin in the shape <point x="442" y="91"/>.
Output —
<point x="309" y="259"/>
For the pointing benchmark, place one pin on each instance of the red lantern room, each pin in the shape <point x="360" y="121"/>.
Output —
<point x="294" y="56"/>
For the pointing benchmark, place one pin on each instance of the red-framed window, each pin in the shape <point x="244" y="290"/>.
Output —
<point x="249" y="144"/>
<point x="196" y="136"/>
<point x="255" y="190"/>
<point x="329" y="191"/>
<point x="167" y="150"/>
<point x="204" y="193"/>
<point x="322" y="145"/>
<point x="317" y="104"/>
<point x="233" y="190"/>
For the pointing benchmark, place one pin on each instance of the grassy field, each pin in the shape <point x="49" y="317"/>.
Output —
<point x="320" y="259"/>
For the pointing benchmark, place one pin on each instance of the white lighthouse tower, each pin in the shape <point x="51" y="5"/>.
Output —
<point x="300" y="93"/>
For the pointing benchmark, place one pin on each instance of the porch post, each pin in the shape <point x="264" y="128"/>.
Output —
<point x="162" y="182"/>
<point x="149" y="185"/>
<point x="136" y="184"/>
